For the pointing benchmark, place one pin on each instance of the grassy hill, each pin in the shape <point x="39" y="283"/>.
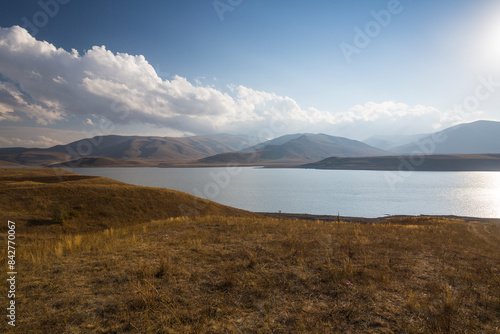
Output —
<point x="56" y="200"/>
<point x="127" y="262"/>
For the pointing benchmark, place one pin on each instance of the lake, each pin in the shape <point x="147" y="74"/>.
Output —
<point x="350" y="193"/>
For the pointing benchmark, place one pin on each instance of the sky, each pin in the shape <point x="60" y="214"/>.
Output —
<point x="71" y="69"/>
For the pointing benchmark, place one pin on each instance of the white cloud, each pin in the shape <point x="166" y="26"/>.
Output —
<point x="49" y="84"/>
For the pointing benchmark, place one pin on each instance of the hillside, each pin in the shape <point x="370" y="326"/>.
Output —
<point x="472" y="162"/>
<point x="8" y="164"/>
<point x="102" y="162"/>
<point x="131" y="148"/>
<point x="471" y="138"/>
<point x="53" y="199"/>
<point x="296" y="150"/>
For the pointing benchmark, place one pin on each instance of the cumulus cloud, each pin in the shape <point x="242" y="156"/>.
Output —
<point x="48" y="84"/>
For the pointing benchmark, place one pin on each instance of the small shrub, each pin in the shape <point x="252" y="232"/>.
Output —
<point x="60" y="215"/>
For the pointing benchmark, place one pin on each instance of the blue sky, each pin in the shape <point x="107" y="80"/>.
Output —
<point x="264" y="62"/>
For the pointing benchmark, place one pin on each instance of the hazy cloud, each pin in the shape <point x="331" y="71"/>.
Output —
<point x="40" y="141"/>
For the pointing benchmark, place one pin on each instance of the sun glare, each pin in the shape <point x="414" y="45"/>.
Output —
<point x="488" y="38"/>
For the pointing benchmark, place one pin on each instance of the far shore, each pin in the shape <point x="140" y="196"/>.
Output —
<point x="431" y="163"/>
<point x="305" y="216"/>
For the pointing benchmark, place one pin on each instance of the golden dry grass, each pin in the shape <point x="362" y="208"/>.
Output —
<point x="53" y="200"/>
<point x="222" y="274"/>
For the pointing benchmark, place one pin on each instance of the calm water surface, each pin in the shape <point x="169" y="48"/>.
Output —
<point x="350" y="193"/>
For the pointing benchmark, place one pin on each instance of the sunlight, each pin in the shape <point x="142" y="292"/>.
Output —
<point x="488" y="47"/>
<point x="492" y="40"/>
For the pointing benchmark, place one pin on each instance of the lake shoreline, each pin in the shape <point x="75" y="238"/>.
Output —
<point x="438" y="162"/>
<point x="306" y="216"/>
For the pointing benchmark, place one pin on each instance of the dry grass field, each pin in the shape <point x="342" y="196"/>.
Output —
<point x="43" y="200"/>
<point x="228" y="271"/>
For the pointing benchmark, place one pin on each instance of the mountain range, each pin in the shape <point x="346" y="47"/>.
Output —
<point x="481" y="137"/>
<point x="472" y="138"/>
<point x="298" y="149"/>
<point x="132" y="149"/>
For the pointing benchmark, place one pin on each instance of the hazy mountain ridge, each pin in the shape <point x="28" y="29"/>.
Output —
<point x="478" y="137"/>
<point x="389" y="142"/>
<point x="481" y="137"/>
<point x="134" y="148"/>
<point x="276" y="141"/>
<point x="297" y="149"/>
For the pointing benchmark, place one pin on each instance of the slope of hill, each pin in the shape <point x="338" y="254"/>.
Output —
<point x="299" y="149"/>
<point x="8" y="164"/>
<point x="472" y="162"/>
<point x="102" y="162"/>
<point x="149" y="149"/>
<point x="471" y="138"/>
<point x="55" y="200"/>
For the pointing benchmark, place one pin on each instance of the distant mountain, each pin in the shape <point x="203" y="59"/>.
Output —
<point x="472" y="162"/>
<point x="276" y="141"/>
<point x="293" y="149"/>
<point x="482" y="137"/>
<point x="471" y="138"/>
<point x="389" y="142"/>
<point x="130" y="148"/>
